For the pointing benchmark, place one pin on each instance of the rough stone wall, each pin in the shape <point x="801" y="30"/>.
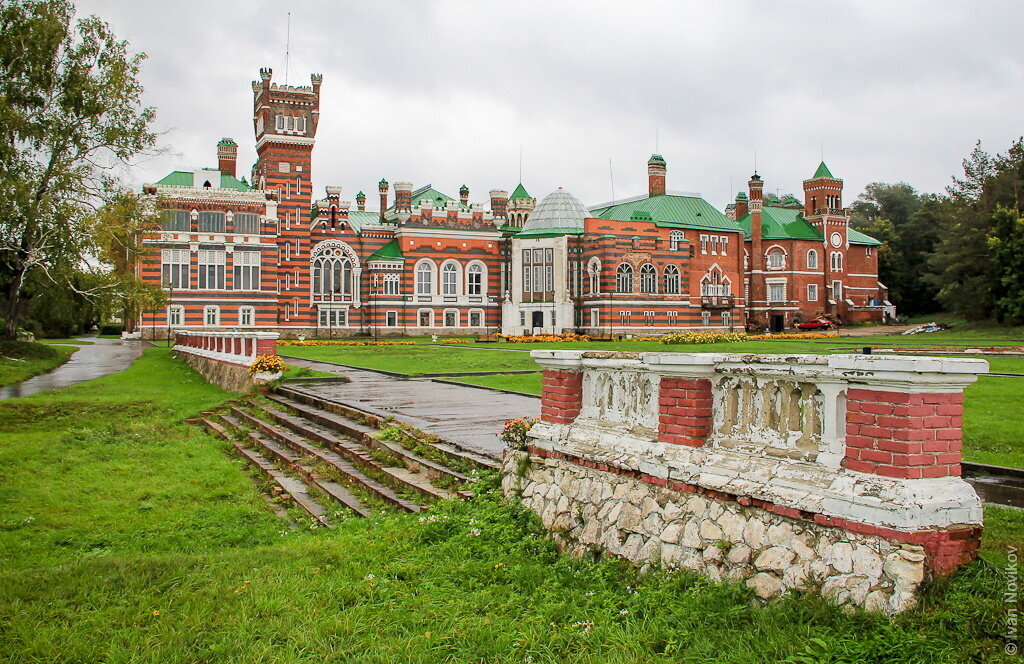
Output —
<point x="597" y="510"/>
<point x="232" y="377"/>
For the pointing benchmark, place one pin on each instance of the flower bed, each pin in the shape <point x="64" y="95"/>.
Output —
<point x="811" y="335"/>
<point x="514" y="433"/>
<point x="544" y="338"/>
<point x="703" y="338"/>
<point x="455" y="342"/>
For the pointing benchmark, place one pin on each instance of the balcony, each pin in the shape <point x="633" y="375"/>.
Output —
<point x="716" y="301"/>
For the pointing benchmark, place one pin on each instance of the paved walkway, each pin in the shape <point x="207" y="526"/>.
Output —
<point x="469" y="417"/>
<point x="101" y="358"/>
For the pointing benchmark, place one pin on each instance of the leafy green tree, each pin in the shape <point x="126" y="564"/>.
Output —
<point x="1007" y="244"/>
<point x="70" y="114"/>
<point x="117" y="229"/>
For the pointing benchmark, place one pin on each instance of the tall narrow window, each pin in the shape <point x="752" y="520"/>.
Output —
<point x="836" y="261"/>
<point x="812" y="259"/>
<point x="246" y="270"/>
<point x="211" y="269"/>
<point x="332" y="275"/>
<point x="425" y="278"/>
<point x="672" y="280"/>
<point x="776" y="259"/>
<point x="174" y="267"/>
<point x="475" y="279"/>
<point x="391" y="284"/>
<point x="449" y="279"/>
<point x="648" y="279"/>
<point x="675" y="239"/>
<point x="624" y="278"/>
<point x="175" y="315"/>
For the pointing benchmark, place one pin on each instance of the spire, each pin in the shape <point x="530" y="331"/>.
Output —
<point x="520" y="192"/>
<point x="822" y="172"/>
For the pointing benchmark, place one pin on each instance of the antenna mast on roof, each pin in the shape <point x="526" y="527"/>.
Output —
<point x="287" y="48"/>
<point x="611" y="176"/>
<point x="656" y="151"/>
<point x="520" y="164"/>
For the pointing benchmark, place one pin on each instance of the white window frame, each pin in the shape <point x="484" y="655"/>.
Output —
<point x="450" y="278"/>
<point x="675" y="239"/>
<point x="425" y="267"/>
<point x="175" y="315"/>
<point x="450" y="312"/>
<point x="770" y="259"/>
<point x="419" y="317"/>
<point x="648" y="279"/>
<point x="476" y="312"/>
<point x="673" y="280"/>
<point x="390" y="319"/>
<point x="624" y="277"/>
<point x="705" y="318"/>
<point x="776" y="285"/>
<point x="476" y="278"/>
<point x="246" y="311"/>
<point x="812" y="292"/>
<point x="392" y="284"/>
<point x="211" y="312"/>
<point x="812" y="259"/>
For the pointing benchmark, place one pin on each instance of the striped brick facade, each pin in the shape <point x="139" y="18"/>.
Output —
<point x="427" y="263"/>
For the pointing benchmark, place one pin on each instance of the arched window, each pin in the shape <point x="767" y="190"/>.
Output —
<point x="425" y="278"/>
<point x="672" y="280"/>
<point x="624" y="278"/>
<point x="812" y="259"/>
<point x="332" y="274"/>
<point x="648" y="279"/>
<point x="475" y="279"/>
<point x="675" y="238"/>
<point x="449" y="279"/>
<point x="594" y="272"/>
<point x="836" y="261"/>
<point x="776" y="259"/>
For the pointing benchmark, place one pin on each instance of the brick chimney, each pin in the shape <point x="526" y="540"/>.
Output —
<point x="741" y="205"/>
<point x="656" y="175"/>
<point x="403" y="197"/>
<point x="227" y="156"/>
<point x="361" y="201"/>
<point x="758" y="292"/>
<point x="382" y="186"/>
<point x="499" y="203"/>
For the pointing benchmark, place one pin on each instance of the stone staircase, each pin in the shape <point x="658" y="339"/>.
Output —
<point x="332" y="460"/>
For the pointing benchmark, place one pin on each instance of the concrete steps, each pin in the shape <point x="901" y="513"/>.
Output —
<point x="322" y="453"/>
<point x="445" y="453"/>
<point x="294" y="490"/>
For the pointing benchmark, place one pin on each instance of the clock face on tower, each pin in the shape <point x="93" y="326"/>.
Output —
<point x="836" y="239"/>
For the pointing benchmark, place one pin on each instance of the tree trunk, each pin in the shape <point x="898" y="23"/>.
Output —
<point x="14" y="302"/>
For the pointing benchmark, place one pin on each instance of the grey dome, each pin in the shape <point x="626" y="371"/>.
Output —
<point x="559" y="210"/>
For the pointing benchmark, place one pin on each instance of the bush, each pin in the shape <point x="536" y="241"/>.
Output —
<point x="112" y="328"/>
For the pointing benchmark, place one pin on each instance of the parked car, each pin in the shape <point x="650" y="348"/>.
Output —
<point x="815" y="324"/>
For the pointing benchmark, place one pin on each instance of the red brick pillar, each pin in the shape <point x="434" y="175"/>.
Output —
<point x="562" y="396"/>
<point x="684" y="411"/>
<point x="266" y="347"/>
<point x="904" y="434"/>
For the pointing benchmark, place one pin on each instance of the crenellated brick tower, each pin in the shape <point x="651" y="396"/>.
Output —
<point x="285" y="118"/>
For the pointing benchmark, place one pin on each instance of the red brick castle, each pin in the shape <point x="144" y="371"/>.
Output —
<point x="264" y="255"/>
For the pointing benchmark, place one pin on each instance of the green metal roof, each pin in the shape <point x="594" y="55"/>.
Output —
<point x="778" y="223"/>
<point x="520" y="192"/>
<point x="227" y="141"/>
<point x="389" y="252"/>
<point x="856" y="237"/>
<point x="670" y="210"/>
<point x="440" y="199"/>
<point x="822" y="172"/>
<point x="187" y="179"/>
<point x="359" y="218"/>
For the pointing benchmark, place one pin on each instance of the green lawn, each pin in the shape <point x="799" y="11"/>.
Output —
<point x="22" y="359"/>
<point x="127" y="536"/>
<point x="66" y="342"/>
<point x="994" y="406"/>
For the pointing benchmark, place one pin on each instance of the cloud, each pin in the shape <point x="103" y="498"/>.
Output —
<point x="452" y="91"/>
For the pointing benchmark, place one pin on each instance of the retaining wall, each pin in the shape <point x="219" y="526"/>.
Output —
<point x="838" y="473"/>
<point x="224" y="358"/>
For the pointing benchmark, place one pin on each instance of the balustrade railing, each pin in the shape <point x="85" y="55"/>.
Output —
<point x="232" y="347"/>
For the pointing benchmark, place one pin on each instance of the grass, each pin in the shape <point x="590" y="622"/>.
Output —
<point x="66" y="342"/>
<point x="20" y="360"/>
<point x="415" y="360"/>
<point x="128" y="536"/>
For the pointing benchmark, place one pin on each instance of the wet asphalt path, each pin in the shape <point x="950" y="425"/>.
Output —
<point x="101" y="358"/>
<point x="466" y="416"/>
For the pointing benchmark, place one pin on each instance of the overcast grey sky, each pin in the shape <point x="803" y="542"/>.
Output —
<point x="449" y="91"/>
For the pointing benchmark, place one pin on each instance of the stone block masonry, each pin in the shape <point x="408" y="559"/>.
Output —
<point x="836" y="473"/>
